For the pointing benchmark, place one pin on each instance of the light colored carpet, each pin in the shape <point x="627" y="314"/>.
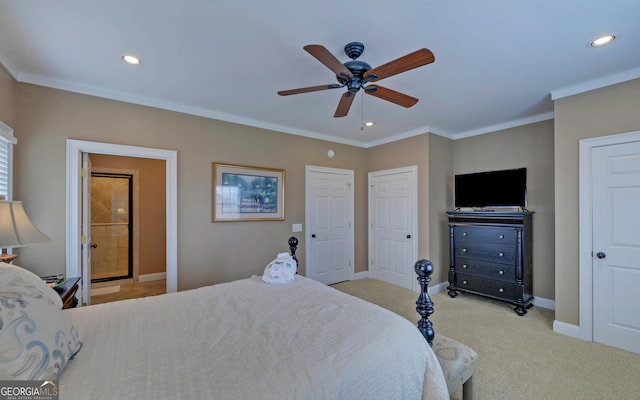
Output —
<point x="518" y="357"/>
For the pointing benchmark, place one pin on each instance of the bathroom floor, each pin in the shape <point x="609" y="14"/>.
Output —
<point x="132" y="291"/>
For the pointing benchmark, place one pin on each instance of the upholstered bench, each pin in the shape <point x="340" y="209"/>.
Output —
<point x="459" y="362"/>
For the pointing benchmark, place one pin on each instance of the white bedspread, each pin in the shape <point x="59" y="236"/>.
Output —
<point x="250" y="340"/>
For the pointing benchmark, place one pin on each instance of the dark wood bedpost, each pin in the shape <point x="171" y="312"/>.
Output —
<point x="293" y="246"/>
<point x="424" y="268"/>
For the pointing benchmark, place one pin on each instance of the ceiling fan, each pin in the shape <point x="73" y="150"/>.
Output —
<point x="356" y="75"/>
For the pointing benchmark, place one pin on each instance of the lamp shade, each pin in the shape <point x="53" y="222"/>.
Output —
<point x="16" y="230"/>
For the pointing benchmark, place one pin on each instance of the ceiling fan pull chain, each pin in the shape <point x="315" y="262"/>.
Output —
<point x="362" y="113"/>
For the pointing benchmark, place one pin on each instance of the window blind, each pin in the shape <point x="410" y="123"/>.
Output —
<point x="6" y="160"/>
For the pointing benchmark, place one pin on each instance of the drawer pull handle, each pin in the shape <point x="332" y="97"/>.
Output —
<point x="464" y="233"/>
<point x="501" y="237"/>
<point x="465" y="266"/>
<point x="501" y="272"/>
<point x="501" y="290"/>
<point x="464" y="282"/>
<point x="500" y="254"/>
<point x="464" y="250"/>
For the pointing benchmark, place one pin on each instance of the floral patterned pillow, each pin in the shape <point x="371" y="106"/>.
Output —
<point x="37" y="339"/>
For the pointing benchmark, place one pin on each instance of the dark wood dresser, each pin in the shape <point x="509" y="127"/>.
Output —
<point x="490" y="255"/>
<point x="67" y="292"/>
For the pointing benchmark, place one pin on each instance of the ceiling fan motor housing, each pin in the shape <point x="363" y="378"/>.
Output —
<point x="357" y="68"/>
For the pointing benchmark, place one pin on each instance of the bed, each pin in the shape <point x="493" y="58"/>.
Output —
<point x="239" y="340"/>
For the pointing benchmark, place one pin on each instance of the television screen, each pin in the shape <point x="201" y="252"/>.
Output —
<point x="505" y="188"/>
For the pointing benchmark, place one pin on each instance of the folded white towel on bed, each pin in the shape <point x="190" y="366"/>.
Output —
<point x="281" y="270"/>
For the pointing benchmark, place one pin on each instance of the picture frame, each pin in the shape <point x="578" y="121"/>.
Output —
<point x="247" y="193"/>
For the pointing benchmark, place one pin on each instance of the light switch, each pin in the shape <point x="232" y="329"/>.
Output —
<point x="296" y="228"/>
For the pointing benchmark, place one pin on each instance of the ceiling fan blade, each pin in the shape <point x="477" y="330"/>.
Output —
<point x="412" y="60"/>
<point x="384" y="93"/>
<point x="344" y="105"/>
<point x="324" y="56"/>
<point x="308" y="89"/>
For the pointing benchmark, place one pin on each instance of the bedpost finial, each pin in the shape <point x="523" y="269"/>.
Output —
<point x="293" y="246"/>
<point x="423" y="268"/>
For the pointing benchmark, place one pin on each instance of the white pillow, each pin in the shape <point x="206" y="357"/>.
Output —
<point x="37" y="339"/>
<point x="28" y="278"/>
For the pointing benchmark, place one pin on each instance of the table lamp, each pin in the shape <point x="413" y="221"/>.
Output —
<point x="16" y="230"/>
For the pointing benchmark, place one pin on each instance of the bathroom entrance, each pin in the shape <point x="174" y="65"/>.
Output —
<point x="112" y="210"/>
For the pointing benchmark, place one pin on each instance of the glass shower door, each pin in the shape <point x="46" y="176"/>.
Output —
<point x="111" y="227"/>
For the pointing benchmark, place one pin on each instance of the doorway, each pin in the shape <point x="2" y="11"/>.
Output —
<point x="75" y="149"/>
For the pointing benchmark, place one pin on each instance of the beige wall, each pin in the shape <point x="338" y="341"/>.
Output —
<point x="7" y="92"/>
<point x="529" y="146"/>
<point x="151" y="212"/>
<point x="440" y="201"/>
<point x="207" y="252"/>
<point x="602" y="112"/>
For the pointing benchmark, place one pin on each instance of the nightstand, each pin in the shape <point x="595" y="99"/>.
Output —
<point x="67" y="292"/>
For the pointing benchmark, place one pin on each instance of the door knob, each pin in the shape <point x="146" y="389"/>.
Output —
<point x="313" y="235"/>
<point x="601" y="255"/>
<point x="94" y="246"/>
<point x="408" y="236"/>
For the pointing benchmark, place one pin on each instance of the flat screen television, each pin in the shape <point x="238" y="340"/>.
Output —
<point x="504" y="188"/>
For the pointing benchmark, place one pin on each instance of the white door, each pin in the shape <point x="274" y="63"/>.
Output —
<point x="616" y="245"/>
<point x="85" y="248"/>
<point x="329" y="220"/>
<point x="393" y="232"/>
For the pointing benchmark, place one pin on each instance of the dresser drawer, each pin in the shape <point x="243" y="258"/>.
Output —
<point x="500" y="289"/>
<point x="487" y="252"/>
<point x="503" y="272"/>
<point x="485" y="234"/>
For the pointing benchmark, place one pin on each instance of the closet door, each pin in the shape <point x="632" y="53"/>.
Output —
<point x="392" y="225"/>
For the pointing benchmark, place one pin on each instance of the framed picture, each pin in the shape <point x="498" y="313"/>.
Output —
<point x="244" y="193"/>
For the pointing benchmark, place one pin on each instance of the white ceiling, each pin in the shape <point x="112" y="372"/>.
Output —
<point x="498" y="63"/>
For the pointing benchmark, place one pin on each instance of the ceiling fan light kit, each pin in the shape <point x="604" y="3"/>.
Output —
<point x="355" y="75"/>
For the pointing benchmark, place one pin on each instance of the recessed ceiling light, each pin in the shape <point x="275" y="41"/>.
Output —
<point x="602" y="40"/>
<point x="129" y="59"/>
<point x="369" y="123"/>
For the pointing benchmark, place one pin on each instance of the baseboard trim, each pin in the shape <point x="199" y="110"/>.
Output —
<point x="158" y="276"/>
<point x="566" y="329"/>
<point x="360" y="275"/>
<point x="440" y="287"/>
<point x="544" y="303"/>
